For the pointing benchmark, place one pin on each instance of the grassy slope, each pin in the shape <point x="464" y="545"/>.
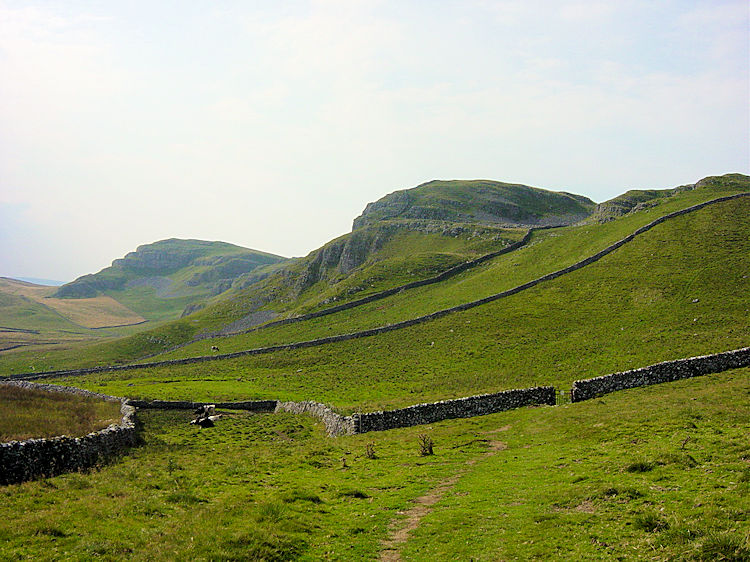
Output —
<point x="548" y="251"/>
<point x="274" y="487"/>
<point x="633" y="308"/>
<point x="22" y="307"/>
<point x="406" y="256"/>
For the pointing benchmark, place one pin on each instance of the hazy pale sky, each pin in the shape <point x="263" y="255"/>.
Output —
<point x="271" y="124"/>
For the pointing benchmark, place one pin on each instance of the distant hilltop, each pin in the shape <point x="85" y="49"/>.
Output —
<point x="478" y="201"/>
<point x="38" y="281"/>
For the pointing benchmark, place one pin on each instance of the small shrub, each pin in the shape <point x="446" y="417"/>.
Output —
<point x="425" y="445"/>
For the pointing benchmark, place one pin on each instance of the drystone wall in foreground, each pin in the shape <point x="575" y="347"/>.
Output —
<point x="471" y="406"/>
<point x="667" y="371"/>
<point x="36" y="458"/>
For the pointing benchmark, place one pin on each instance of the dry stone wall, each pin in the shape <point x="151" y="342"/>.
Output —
<point x="258" y="406"/>
<point x="336" y="424"/>
<point x="36" y="458"/>
<point x="667" y="371"/>
<point x="471" y="406"/>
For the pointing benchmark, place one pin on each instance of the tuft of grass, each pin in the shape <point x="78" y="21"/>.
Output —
<point x="728" y="547"/>
<point x="650" y="522"/>
<point x="353" y="493"/>
<point x="640" y="466"/>
<point x="301" y="495"/>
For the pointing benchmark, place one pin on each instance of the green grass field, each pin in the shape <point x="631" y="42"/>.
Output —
<point x="659" y="473"/>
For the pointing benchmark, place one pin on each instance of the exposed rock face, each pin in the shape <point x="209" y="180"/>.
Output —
<point x="633" y="201"/>
<point x="155" y="259"/>
<point x="342" y="256"/>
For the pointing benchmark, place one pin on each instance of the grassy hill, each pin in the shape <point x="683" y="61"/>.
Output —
<point x="481" y="201"/>
<point x="674" y="291"/>
<point x="547" y="251"/>
<point x="160" y="280"/>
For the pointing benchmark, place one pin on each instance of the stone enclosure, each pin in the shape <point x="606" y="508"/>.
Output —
<point x="36" y="458"/>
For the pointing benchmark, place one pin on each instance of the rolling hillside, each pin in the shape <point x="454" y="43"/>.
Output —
<point x="545" y="252"/>
<point x="31" y="317"/>
<point x="618" y="318"/>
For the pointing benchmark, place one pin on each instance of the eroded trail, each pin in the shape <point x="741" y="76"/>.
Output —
<point x="399" y="529"/>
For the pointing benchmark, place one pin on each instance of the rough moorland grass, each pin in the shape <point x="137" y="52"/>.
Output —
<point x="26" y="413"/>
<point x="274" y="487"/>
<point x="677" y="291"/>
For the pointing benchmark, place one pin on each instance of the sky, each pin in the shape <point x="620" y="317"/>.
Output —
<point x="272" y="124"/>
